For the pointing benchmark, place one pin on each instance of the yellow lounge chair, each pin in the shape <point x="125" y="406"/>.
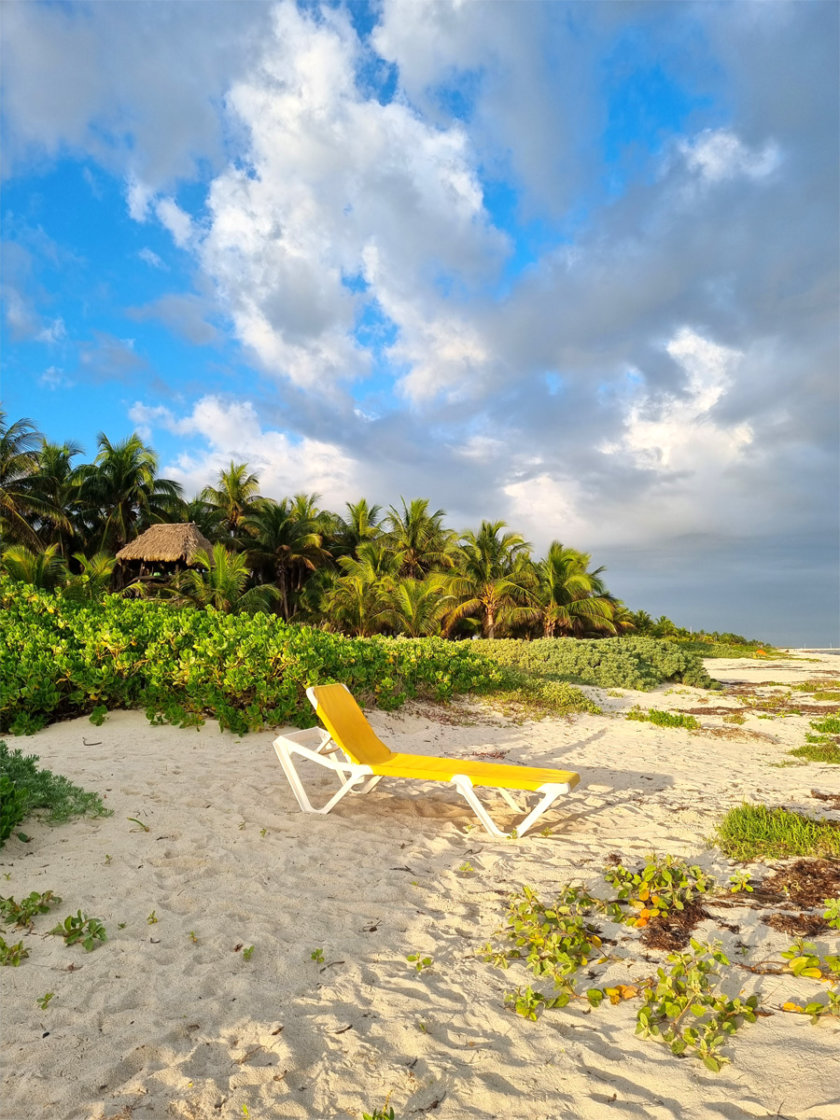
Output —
<point x="352" y="750"/>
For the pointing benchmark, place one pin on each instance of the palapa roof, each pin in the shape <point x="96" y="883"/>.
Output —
<point x="167" y="542"/>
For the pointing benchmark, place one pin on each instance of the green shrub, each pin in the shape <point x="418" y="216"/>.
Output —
<point x="12" y="806"/>
<point x="61" y="658"/>
<point x="629" y="662"/>
<point x="41" y="789"/>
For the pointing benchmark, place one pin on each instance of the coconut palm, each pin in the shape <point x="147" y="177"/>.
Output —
<point x="236" y="493"/>
<point x="358" y="599"/>
<point x="20" y="502"/>
<point x="221" y="582"/>
<point x="361" y="524"/>
<point x="44" y="569"/>
<point x="572" y="600"/>
<point x="494" y="580"/>
<point x="57" y="482"/>
<point x="415" y="606"/>
<point x="420" y="537"/>
<point x="281" y="546"/>
<point x="120" y="492"/>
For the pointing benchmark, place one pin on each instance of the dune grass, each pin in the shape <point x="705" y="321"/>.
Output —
<point x="823" y="743"/>
<point x="750" y="832"/>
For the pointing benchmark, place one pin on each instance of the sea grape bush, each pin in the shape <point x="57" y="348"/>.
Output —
<point x="60" y="658"/>
<point x="629" y="662"/>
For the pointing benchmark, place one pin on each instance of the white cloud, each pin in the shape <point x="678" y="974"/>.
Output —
<point x="138" y="197"/>
<point x="336" y="178"/>
<point x="53" y="332"/>
<point x="152" y="259"/>
<point x="231" y="430"/>
<point x="176" y="220"/>
<point x="718" y="155"/>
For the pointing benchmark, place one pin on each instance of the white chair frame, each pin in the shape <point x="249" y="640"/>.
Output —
<point x="317" y="746"/>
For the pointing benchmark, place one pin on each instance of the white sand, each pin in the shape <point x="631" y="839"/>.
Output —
<point x="154" y="1025"/>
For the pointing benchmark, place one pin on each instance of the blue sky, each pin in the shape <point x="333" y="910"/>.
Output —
<point x="569" y="265"/>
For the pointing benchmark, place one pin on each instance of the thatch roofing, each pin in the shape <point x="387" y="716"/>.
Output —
<point x="167" y="543"/>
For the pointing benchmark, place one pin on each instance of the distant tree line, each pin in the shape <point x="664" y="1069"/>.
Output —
<point x="365" y="571"/>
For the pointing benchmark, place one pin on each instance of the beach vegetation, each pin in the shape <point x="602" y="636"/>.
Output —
<point x="383" y="1113"/>
<point x="44" y="1000"/>
<point x="22" y="913"/>
<point x="317" y="955"/>
<point x="78" y="928"/>
<point x="749" y="832"/>
<point x="420" y="962"/>
<point x="248" y="952"/>
<point x="34" y="790"/>
<point x="804" y="960"/>
<point x="822" y="742"/>
<point x="663" y="719"/>
<point x="12" y="955"/>
<point x="662" y="885"/>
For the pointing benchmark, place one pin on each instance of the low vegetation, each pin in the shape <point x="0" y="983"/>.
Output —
<point x="25" y="788"/>
<point x="751" y="832"/>
<point x="822" y="742"/>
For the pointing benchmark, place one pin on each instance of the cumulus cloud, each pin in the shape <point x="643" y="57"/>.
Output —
<point x="336" y="180"/>
<point x="231" y="430"/>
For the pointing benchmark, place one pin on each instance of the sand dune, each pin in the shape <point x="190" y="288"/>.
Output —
<point x="171" y="1020"/>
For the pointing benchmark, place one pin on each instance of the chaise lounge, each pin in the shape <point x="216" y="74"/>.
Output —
<point x="351" y="749"/>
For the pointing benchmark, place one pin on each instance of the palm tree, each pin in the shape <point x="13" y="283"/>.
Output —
<point x="94" y="579"/>
<point x="415" y="606"/>
<point x="282" y="546"/>
<point x="44" y="569"/>
<point x="57" y="482"/>
<point x="360" y="525"/>
<point x="121" y="492"/>
<point x="572" y="600"/>
<point x="223" y="585"/>
<point x="420" y="537"/>
<point x="236" y="493"/>
<point x="357" y="600"/>
<point x="494" y="580"/>
<point x="20" y="501"/>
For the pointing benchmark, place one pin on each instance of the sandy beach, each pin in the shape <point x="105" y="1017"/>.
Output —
<point x="170" y="1018"/>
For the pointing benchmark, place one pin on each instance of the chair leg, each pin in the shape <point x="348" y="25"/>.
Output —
<point x="290" y="770"/>
<point x="550" y="795"/>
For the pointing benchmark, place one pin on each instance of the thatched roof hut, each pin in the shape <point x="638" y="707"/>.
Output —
<point x="167" y="544"/>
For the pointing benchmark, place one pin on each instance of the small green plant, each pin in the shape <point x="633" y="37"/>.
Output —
<point x="21" y="913"/>
<point x="740" y="882"/>
<point x="661" y="885"/>
<point x="383" y="1113"/>
<point x="803" y="959"/>
<point x="134" y="820"/>
<point x="263" y="833"/>
<point x="685" y="995"/>
<point x="193" y="937"/>
<point x="12" y="954"/>
<point x="832" y="912"/>
<point x="248" y="953"/>
<point x="735" y="718"/>
<point x="43" y="1001"/>
<point x="664" y="719"/>
<point x="97" y="716"/>
<point x="107" y="860"/>
<point x="419" y="962"/>
<point x="466" y="868"/>
<point x="750" y="832"/>
<point x="317" y="955"/>
<point x="79" y="927"/>
<point x="152" y="919"/>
